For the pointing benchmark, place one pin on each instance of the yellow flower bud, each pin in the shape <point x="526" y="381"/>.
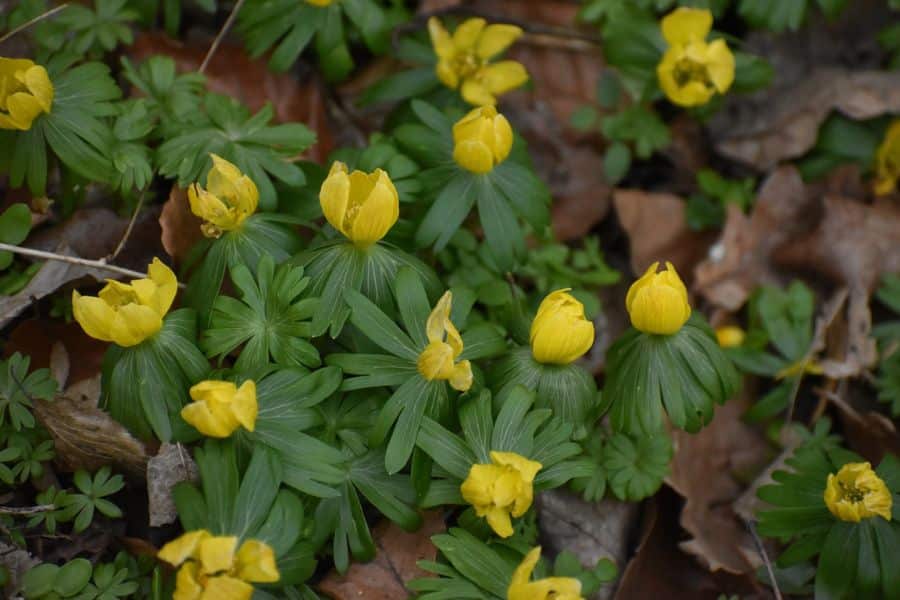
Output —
<point x="549" y="588"/>
<point x="362" y="206"/>
<point x="501" y="489"/>
<point x="856" y="492"/>
<point x="560" y="334"/>
<point x="210" y="568"/>
<point x="25" y="92"/>
<point x="464" y="59"/>
<point x="229" y="199"/>
<point x="801" y="367"/>
<point x="220" y="407"/>
<point x="691" y="70"/>
<point x="437" y="360"/>
<point x="482" y="140"/>
<point x="657" y="302"/>
<point x="319" y="2"/>
<point x="730" y="336"/>
<point x="887" y="161"/>
<point x="128" y="314"/>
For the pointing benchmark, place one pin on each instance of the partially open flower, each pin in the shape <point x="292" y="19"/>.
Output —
<point x="482" y="140"/>
<point x="438" y="359"/>
<point x="856" y="492"/>
<point x="658" y="302"/>
<point x="25" y="92"/>
<point x="220" y="407"/>
<point x="887" y="161"/>
<point x="501" y="489"/>
<point x="128" y="314"/>
<point x="560" y="333"/>
<point x="362" y="206"/>
<point x="549" y="588"/>
<point x="229" y="198"/>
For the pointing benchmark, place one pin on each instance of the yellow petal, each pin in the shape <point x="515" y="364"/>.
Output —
<point x="501" y="77"/>
<point x="503" y="138"/>
<point x="474" y="156"/>
<point x="440" y="314"/>
<point x="461" y="379"/>
<point x="440" y="39"/>
<point x="498" y="519"/>
<point x="133" y="324"/>
<point x="447" y="74"/>
<point x="467" y="34"/>
<point x="560" y="333"/>
<point x="476" y="93"/>
<point x="94" y="315"/>
<point x="720" y="65"/>
<point x="225" y="587"/>
<point x="334" y="195"/>
<point x="222" y="176"/>
<point x="657" y="302"/>
<point x="183" y="547"/>
<point x="167" y="285"/>
<point x="497" y="38"/>
<point x="477" y="489"/>
<point x="525" y="467"/>
<point x="211" y="423"/>
<point x="23" y="109"/>
<point x="377" y="214"/>
<point x="213" y="391"/>
<point x="245" y="406"/>
<point x="436" y="361"/>
<point x="684" y="25"/>
<point x="187" y="583"/>
<point x="217" y="554"/>
<point x="256" y="562"/>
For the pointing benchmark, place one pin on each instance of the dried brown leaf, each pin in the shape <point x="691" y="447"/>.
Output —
<point x="171" y="465"/>
<point x="180" y="227"/>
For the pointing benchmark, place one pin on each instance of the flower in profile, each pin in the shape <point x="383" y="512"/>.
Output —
<point x="438" y="360"/>
<point x="482" y="140"/>
<point x="128" y="314"/>
<point x="560" y="333"/>
<point x="501" y="489"/>
<point x="549" y="588"/>
<point x="887" y="161"/>
<point x="229" y="198"/>
<point x="220" y="407"/>
<point x="464" y="59"/>
<point x="658" y="302"/>
<point x="692" y="70"/>
<point x="362" y="206"/>
<point x="856" y="492"/>
<point x="25" y="92"/>
<point x="211" y="569"/>
<point x="730" y="336"/>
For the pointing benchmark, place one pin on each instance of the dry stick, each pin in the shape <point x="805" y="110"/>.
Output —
<point x="28" y="24"/>
<point x="215" y="45"/>
<point x="26" y="510"/>
<point x="762" y="552"/>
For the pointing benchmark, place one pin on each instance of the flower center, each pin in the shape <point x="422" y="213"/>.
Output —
<point x="467" y="64"/>
<point x="688" y="71"/>
<point x="851" y="493"/>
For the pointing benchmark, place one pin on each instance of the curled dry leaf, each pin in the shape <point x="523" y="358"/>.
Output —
<point x="17" y="562"/>
<point x="180" y="227"/>
<point x="171" y="465"/>
<point x="385" y="576"/>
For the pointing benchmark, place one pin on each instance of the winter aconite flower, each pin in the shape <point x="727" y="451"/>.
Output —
<point x="128" y="314"/>
<point x="220" y="407"/>
<point x="501" y="489"/>
<point x="464" y="59"/>
<point x="212" y="570"/>
<point x="730" y="336"/>
<point x="857" y="493"/>
<point x="482" y="140"/>
<point x="362" y="206"/>
<point x="658" y="302"/>
<point x="229" y="198"/>
<point x="437" y="360"/>
<point x="549" y="588"/>
<point x="887" y="161"/>
<point x="25" y="92"/>
<point x="692" y="70"/>
<point x="560" y="334"/>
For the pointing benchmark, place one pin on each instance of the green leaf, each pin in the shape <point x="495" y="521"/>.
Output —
<point x="775" y="15"/>
<point x="636" y="465"/>
<point x="446" y="448"/>
<point x="448" y="211"/>
<point x="378" y="327"/>
<point x="17" y="389"/>
<point x="640" y="126"/>
<point x="837" y="563"/>
<point x="72" y="577"/>
<point x="15" y="223"/>
<point x="616" y="162"/>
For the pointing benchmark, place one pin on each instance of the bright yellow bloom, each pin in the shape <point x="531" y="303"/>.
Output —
<point x="691" y="70"/>
<point x="220" y="407"/>
<point x="319" y="2"/>
<point x="362" y="206"/>
<point x="730" y="336"/>
<point x="560" y="333"/>
<point x="25" y="92"/>
<point x="801" y="367"/>
<point x="211" y="570"/>
<point x="128" y="314"/>
<point x="658" y="302"/>
<point x="501" y="489"/>
<point x="857" y="493"/>
<point x="464" y="59"/>
<point x="482" y="140"/>
<point x="437" y="360"/>
<point x="887" y="161"/>
<point x="549" y="588"/>
<point x="229" y="198"/>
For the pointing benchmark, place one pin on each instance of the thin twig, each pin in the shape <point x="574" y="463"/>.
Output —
<point x="28" y="24"/>
<point x="75" y="260"/>
<point x="762" y="552"/>
<point x="24" y="511"/>
<point x="221" y="35"/>
<point x="127" y="234"/>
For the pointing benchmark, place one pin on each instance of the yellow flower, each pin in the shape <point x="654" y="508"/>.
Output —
<point x="437" y="359"/>
<point x="229" y="199"/>
<point x="658" y="302"/>
<point x="887" y="161"/>
<point x="319" y="2"/>
<point x="464" y="59"/>
<point x="362" y="206"/>
<point x="801" y="367"/>
<point x="220" y="407"/>
<point x="857" y="493"/>
<point x="25" y="92"/>
<point x="501" y="489"/>
<point x="730" y="336"/>
<point x="692" y="70"/>
<point x="211" y="570"/>
<point x="482" y="140"/>
<point x="559" y="333"/>
<point x="549" y="588"/>
<point x="127" y="314"/>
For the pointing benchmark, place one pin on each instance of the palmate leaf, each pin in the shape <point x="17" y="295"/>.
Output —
<point x="18" y="388"/>
<point x="171" y="99"/>
<point x="82" y="31"/>
<point x="260" y="150"/>
<point x="476" y="569"/>
<point x="636" y="465"/>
